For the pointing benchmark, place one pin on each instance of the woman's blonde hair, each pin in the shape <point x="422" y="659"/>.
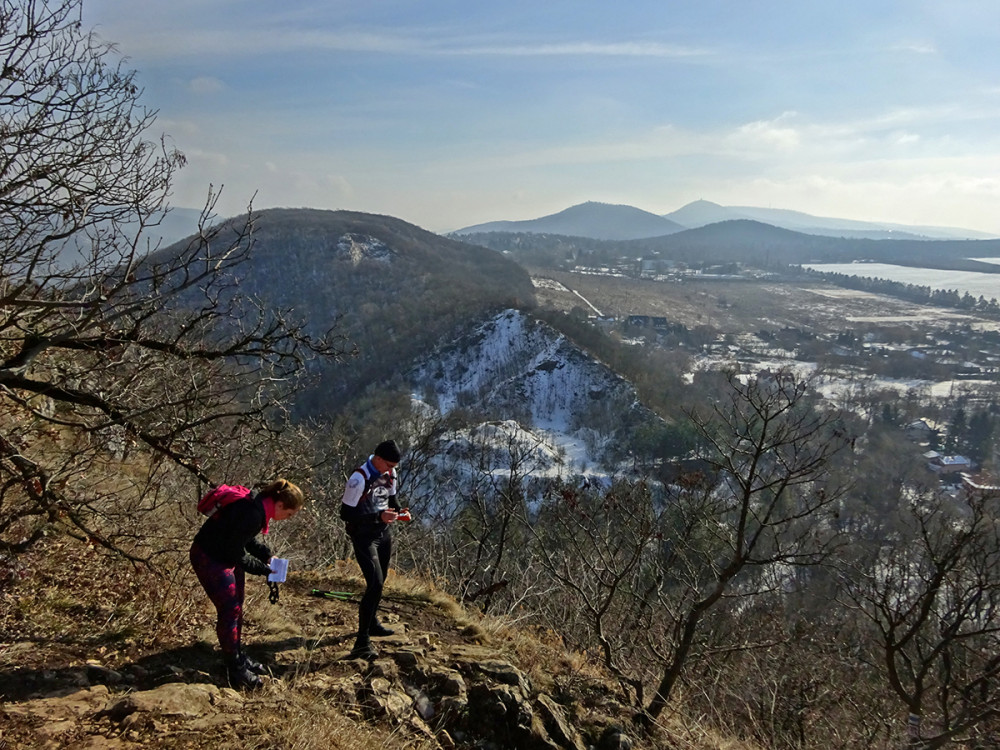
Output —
<point x="284" y="492"/>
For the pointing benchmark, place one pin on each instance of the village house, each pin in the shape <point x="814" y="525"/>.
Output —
<point x="949" y="464"/>
<point x="982" y="483"/>
<point x="922" y="430"/>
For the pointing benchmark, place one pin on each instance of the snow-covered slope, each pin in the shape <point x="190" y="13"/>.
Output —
<point x="514" y="367"/>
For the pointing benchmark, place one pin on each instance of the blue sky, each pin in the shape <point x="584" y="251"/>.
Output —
<point x="447" y="113"/>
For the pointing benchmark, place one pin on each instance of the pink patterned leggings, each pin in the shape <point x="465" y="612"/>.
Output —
<point x="225" y="586"/>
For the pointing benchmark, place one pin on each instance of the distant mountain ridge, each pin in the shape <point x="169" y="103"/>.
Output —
<point x="602" y="221"/>
<point x="766" y="246"/>
<point x="745" y="241"/>
<point x="701" y="213"/>
<point x="618" y="222"/>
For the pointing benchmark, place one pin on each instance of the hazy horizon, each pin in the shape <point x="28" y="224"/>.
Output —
<point x="448" y="115"/>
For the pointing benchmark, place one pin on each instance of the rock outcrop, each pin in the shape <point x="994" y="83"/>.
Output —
<point x="446" y="688"/>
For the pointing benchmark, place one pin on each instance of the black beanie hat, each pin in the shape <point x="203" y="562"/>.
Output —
<point x="388" y="450"/>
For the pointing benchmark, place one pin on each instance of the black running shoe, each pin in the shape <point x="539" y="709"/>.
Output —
<point x="242" y="678"/>
<point x="252" y="664"/>
<point x="363" y="651"/>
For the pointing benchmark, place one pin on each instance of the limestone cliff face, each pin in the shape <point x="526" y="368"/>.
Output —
<point x="515" y="368"/>
<point x="513" y="365"/>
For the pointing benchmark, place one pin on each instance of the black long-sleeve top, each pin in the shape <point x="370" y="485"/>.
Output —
<point x="229" y="536"/>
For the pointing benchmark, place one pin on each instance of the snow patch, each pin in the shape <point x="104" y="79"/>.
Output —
<point x="359" y="247"/>
<point x="513" y="368"/>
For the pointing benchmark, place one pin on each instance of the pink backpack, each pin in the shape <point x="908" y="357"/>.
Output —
<point x="219" y="497"/>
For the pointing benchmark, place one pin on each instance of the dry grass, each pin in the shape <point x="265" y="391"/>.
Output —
<point x="298" y="720"/>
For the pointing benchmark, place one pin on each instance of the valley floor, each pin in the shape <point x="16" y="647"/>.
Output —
<point x="734" y="307"/>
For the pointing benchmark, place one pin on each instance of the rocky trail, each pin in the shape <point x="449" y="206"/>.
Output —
<point x="444" y="679"/>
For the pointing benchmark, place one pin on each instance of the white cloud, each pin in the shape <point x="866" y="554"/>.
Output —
<point x="581" y="49"/>
<point x="905" y="139"/>
<point x="915" y="47"/>
<point x="255" y="42"/>
<point x="205" y="85"/>
<point x="179" y="128"/>
<point x="340" y="185"/>
<point x="883" y="113"/>
<point x="765" y="136"/>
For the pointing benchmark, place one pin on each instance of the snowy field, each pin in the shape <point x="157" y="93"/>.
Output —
<point x="977" y="284"/>
<point x="836" y="387"/>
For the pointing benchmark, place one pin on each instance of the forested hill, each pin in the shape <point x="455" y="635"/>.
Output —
<point x="745" y="241"/>
<point x="763" y="244"/>
<point x="392" y="288"/>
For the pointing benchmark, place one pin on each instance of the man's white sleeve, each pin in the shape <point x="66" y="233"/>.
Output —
<point x="354" y="490"/>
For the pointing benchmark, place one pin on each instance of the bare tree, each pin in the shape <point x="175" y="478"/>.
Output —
<point x="104" y="344"/>
<point x="712" y="542"/>
<point x="806" y="690"/>
<point x="477" y="512"/>
<point x="602" y="547"/>
<point x="929" y="584"/>
<point x="772" y="448"/>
